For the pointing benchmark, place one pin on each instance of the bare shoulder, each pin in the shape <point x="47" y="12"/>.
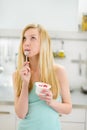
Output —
<point x="60" y="71"/>
<point x="59" y="68"/>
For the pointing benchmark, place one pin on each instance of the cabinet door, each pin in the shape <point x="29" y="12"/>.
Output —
<point x="77" y="115"/>
<point x="17" y="120"/>
<point x="74" y="121"/>
<point x="72" y="126"/>
<point x="7" y="118"/>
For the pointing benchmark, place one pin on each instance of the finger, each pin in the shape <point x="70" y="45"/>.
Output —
<point x="27" y="68"/>
<point x="26" y="63"/>
<point x="45" y="97"/>
<point x="46" y="92"/>
<point x="23" y="72"/>
<point x="42" y="98"/>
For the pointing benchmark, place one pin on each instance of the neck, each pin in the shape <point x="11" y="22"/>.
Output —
<point x="34" y="65"/>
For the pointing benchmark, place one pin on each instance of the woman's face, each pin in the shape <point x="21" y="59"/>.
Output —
<point x="31" y="42"/>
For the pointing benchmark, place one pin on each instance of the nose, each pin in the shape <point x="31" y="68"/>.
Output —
<point x="27" y="43"/>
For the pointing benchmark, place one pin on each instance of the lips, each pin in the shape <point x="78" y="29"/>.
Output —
<point x="26" y="49"/>
<point x="26" y="52"/>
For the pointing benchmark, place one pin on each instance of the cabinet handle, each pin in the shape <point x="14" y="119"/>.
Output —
<point x="4" y="112"/>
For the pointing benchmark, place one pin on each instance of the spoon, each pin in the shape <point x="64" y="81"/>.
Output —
<point x="26" y="54"/>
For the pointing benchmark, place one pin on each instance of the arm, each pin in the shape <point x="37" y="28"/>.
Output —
<point x="21" y="102"/>
<point x="65" y="106"/>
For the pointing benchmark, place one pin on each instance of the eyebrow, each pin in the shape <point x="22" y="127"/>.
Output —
<point x="31" y="35"/>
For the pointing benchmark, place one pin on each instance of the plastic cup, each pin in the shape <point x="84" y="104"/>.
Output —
<point x="41" y="86"/>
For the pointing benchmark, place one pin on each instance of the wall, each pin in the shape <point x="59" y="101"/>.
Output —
<point x="8" y="59"/>
<point x="54" y="15"/>
<point x="73" y="46"/>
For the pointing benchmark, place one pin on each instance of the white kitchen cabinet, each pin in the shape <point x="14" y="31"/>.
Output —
<point x="17" y="120"/>
<point x="73" y="126"/>
<point x="7" y="117"/>
<point x="76" y="120"/>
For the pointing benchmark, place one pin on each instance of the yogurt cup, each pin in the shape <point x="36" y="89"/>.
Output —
<point x="40" y="86"/>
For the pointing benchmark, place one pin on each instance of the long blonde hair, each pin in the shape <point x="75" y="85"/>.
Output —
<point x="46" y="62"/>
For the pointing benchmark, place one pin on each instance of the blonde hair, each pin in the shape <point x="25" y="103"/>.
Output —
<point x="46" y="63"/>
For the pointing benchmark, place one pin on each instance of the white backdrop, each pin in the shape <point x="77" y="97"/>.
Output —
<point x="61" y="15"/>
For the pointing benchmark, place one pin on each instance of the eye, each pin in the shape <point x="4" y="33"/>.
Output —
<point x="24" y="38"/>
<point x="33" y="37"/>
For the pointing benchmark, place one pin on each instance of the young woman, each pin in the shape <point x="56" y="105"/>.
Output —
<point x="39" y="112"/>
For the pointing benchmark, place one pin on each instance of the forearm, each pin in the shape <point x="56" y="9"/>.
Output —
<point x="63" y="108"/>
<point x="21" y="106"/>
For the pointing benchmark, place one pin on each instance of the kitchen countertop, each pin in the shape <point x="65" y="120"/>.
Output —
<point x="79" y="100"/>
